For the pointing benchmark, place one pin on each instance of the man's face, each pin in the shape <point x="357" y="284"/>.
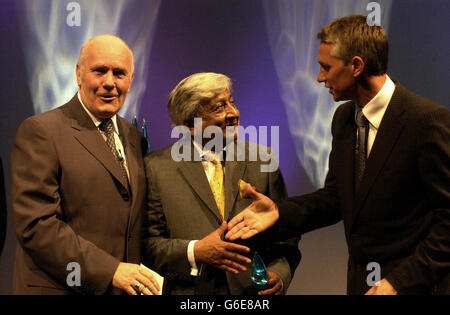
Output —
<point x="337" y="76"/>
<point x="105" y="77"/>
<point x="221" y="112"/>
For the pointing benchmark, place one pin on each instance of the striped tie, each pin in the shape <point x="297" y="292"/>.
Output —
<point x="107" y="127"/>
<point x="361" y="147"/>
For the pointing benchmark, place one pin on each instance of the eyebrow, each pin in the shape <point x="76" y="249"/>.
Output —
<point x="94" y="67"/>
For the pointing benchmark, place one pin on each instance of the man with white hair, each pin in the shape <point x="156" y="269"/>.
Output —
<point x="189" y="201"/>
<point x="78" y="186"/>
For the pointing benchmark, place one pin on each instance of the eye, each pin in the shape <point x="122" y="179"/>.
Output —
<point x="99" y="70"/>
<point x="219" y="106"/>
<point x="119" y="73"/>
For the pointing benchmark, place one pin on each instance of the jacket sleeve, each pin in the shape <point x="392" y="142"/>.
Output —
<point x="168" y="256"/>
<point x="38" y="217"/>
<point x="305" y="213"/>
<point x="430" y="262"/>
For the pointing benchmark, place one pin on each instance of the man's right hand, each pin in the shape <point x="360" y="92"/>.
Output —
<point x="135" y="280"/>
<point x="213" y="251"/>
<point x="258" y="217"/>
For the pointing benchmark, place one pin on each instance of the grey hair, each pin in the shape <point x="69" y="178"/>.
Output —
<point x="193" y="92"/>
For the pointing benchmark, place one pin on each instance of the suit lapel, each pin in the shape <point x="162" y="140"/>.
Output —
<point x="387" y="135"/>
<point x="91" y="139"/>
<point x="234" y="171"/>
<point x="131" y="155"/>
<point x="195" y="176"/>
<point x="345" y="146"/>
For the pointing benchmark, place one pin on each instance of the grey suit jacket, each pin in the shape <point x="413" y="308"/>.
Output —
<point x="71" y="204"/>
<point x="181" y="208"/>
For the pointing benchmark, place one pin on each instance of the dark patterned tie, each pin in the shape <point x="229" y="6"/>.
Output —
<point x="361" y="146"/>
<point x="107" y="127"/>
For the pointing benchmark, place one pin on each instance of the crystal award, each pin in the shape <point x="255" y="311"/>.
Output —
<point x="259" y="273"/>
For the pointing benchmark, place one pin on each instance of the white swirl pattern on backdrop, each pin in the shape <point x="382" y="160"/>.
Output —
<point x="52" y="45"/>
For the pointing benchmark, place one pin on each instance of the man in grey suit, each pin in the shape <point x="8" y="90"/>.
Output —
<point x="78" y="186"/>
<point x="190" y="200"/>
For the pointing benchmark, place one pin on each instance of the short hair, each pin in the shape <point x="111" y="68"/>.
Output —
<point x="352" y="36"/>
<point x="192" y="93"/>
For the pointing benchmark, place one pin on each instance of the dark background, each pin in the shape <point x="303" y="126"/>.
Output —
<point x="229" y="36"/>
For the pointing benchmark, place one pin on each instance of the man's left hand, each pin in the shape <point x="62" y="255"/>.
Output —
<point x="383" y="287"/>
<point x="275" y="283"/>
<point x="260" y="215"/>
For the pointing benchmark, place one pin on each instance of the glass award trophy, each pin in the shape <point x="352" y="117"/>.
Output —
<point x="259" y="273"/>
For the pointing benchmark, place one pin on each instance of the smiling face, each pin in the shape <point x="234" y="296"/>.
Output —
<point x="337" y="76"/>
<point x="221" y="112"/>
<point x="104" y="75"/>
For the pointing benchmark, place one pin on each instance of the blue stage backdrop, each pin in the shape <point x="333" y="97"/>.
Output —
<point x="267" y="47"/>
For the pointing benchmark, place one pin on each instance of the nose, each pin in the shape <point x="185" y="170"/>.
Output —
<point x="108" y="83"/>
<point x="320" y="76"/>
<point x="232" y="113"/>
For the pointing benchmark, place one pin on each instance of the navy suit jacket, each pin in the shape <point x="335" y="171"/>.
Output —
<point x="400" y="217"/>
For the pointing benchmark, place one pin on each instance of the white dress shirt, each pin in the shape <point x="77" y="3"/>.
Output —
<point x="375" y="109"/>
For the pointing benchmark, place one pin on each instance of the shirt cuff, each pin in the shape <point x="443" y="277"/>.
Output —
<point x="191" y="258"/>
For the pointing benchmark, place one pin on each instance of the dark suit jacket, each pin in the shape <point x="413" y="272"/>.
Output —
<point x="71" y="204"/>
<point x="400" y="217"/>
<point x="181" y="208"/>
<point x="2" y="209"/>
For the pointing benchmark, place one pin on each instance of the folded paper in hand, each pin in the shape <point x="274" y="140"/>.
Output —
<point x="157" y="277"/>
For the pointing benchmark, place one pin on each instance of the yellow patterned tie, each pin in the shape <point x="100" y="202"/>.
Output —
<point x="217" y="186"/>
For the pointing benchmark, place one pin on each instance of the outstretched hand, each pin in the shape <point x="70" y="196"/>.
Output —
<point x="259" y="216"/>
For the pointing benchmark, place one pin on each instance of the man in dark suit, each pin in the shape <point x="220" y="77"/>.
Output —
<point x="388" y="177"/>
<point x="191" y="199"/>
<point x="78" y="186"/>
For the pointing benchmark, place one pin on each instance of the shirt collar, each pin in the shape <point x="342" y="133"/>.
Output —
<point x="203" y="153"/>
<point x="94" y="119"/>
<point x="375" y="109"/>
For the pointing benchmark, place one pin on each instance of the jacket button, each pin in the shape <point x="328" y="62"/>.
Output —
<point x="125" y="197"/>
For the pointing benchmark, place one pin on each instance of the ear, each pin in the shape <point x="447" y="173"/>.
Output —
<point x="358" y="66"/>
<point x="77" y="72"/>
<point x="131" y="82"/>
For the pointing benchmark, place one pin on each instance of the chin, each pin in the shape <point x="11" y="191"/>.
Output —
<point x="109" y="108"/>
